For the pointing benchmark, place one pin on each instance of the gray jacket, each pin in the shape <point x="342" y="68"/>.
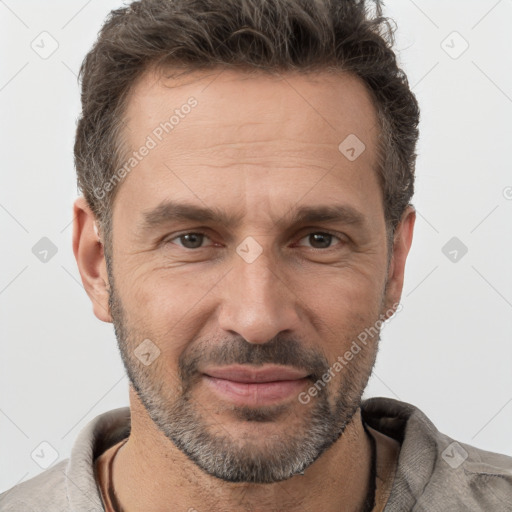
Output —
<point x="434" y="472"/>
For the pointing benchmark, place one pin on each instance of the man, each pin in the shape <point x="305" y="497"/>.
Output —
<point x="247" y="170"/>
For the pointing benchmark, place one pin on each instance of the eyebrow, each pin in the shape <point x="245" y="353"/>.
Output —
<point x="171" y="211"/>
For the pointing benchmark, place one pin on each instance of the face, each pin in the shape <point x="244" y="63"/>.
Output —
<point x="249" y="253"/>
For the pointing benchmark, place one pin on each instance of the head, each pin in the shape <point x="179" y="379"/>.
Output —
<point x="249" y="165"/>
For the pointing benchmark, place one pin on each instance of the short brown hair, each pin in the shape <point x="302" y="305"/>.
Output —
<point x="266" y="35"/>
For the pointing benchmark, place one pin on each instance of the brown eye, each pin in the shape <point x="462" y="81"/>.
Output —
<point x="190" y="240"/>
<point x="321" y="240"/>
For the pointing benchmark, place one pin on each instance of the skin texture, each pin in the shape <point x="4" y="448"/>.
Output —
<point x="257" y="147"/>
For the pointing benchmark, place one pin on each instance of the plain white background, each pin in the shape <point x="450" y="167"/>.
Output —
<point x="448" y="351"/>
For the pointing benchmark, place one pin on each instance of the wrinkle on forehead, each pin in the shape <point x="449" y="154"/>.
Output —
<point x="338" y="104"/>
<point x="254" y="136"/>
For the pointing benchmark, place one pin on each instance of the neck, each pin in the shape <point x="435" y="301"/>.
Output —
<point x="151" y="474"/>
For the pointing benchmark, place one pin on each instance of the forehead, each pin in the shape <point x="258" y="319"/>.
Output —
<point x="231" y="132"/>
<point x="338" y="103"/>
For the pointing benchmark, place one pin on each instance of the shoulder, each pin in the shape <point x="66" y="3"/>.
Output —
<point x="70" y="485"/>
<point x="468" y="478"/>
<point x="435" y="472"/>
<point x="44" y="492"/>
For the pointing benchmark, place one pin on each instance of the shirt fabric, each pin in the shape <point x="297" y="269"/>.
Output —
<point x="434" y="473"/>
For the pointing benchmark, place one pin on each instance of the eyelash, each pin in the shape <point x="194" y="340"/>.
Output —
<point x="199" y="232"/>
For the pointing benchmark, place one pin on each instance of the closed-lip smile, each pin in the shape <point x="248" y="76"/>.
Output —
<point x="268" y="373"/>
<point x="256" y="386"/>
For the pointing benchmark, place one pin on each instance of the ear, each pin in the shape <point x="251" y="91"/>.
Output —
<point x="90" y="258"/>
<point x="402" y="241"/>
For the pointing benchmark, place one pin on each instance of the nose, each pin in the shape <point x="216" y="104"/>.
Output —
<point x="257" y="303"/>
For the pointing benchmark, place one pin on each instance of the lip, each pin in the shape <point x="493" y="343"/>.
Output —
<point x="255" y="387"/>
<point x="268" y="373"/>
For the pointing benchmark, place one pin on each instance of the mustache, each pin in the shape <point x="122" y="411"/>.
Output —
<point x="279" y="350"/>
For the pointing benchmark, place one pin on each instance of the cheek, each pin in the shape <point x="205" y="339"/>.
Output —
<point x="344" y="305"/>
<point x="167" y="308"/>
<point x="166" y="294"/>
<point x="354" y="288"/>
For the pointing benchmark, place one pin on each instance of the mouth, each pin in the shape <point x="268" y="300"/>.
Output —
<point x="255" y="386"/>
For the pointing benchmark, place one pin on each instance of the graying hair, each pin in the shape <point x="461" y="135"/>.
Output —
<point x="267" y="35"/>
